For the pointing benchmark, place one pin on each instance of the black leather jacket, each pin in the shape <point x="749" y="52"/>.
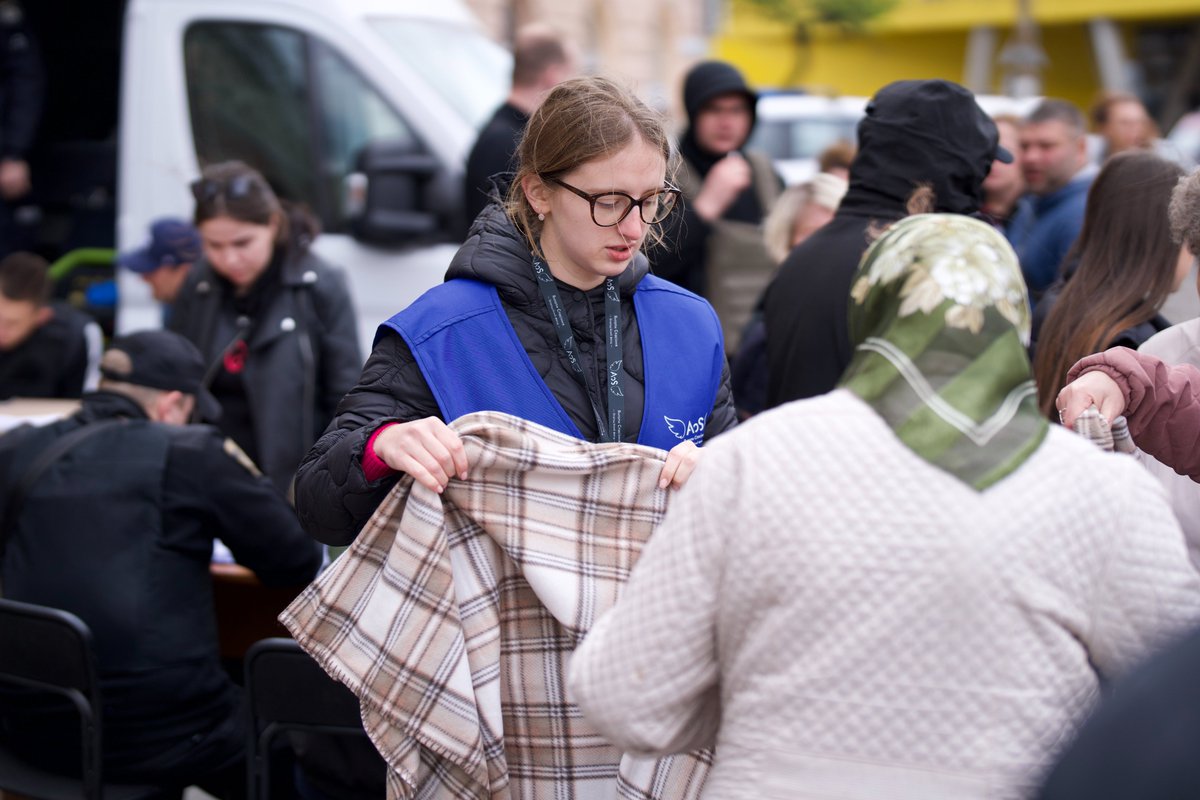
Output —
<point x="303" y="353"/>
<point x="333" y="497"/>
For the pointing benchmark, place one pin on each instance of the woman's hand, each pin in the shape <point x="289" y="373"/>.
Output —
<point x="426" y="449"/>
<point x="681" y="460"/>
<point x="1090" y="389"/>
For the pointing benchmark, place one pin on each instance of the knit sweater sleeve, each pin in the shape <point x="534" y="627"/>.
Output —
<point x="1148" y="591"/>
<point x="1162" y="404"/>
<point x="647" y="675"/>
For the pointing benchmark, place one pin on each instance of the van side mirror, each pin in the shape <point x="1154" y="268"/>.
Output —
<point x="386" y="199"/>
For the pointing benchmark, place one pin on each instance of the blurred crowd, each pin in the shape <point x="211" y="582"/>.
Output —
<point x="882" y="562"/>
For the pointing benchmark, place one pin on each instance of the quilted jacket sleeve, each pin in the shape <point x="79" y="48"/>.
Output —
<point x="724" y="413"/>
<point x="1148" y="591"/>
<point x="333" y="497"/>
<point x="1162" y="404"/>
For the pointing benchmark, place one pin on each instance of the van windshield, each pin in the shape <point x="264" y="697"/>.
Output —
<point x="469" y="71"/>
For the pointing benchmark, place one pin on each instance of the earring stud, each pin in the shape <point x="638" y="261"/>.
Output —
<point x="541" y="217"/>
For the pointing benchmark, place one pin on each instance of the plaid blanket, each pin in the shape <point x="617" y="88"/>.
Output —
<point x="453" y="617"/>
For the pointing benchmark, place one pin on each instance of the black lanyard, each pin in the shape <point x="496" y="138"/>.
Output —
<point x="614" y="430"/>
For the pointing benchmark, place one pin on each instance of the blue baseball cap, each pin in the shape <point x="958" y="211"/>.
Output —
<point x="172" y="242"/>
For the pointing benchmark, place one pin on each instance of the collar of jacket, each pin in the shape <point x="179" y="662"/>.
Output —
<point x="282" y="314"/>
<point x="700" y="158"/>
<point x="103" y="404"/>
<point x="865" y="202"/>
<point x="496" y="253"/>
<point x="1078" y="185"/>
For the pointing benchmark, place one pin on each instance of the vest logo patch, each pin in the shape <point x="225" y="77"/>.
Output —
<point x="686" y="429"/>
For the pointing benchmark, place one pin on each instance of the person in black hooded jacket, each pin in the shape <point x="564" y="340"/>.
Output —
<point x="545" y="242"/>
<point x="928" y="133"/>
<point x="714" y="243"/>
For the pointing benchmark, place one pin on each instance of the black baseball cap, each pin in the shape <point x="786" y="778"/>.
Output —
<point x="936" y="110"/>
<point x="161" y="359"/>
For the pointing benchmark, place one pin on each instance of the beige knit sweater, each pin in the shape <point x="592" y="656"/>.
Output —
<point x="850" y="622"/>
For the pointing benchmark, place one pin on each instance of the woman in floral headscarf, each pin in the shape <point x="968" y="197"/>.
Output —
<point x="907" y="586"/>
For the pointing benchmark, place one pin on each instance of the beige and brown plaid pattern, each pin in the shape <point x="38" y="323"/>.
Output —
<point x="1091" y="425"/>
<point x="453" y="617"/>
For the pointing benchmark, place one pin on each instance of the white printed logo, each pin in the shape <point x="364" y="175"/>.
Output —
<point x="614" y="373"/>
<point x="686" y="429"/>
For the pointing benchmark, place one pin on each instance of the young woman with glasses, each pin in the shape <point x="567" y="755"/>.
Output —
<point x="273" y="320"/>
<point x="548" y="313"/>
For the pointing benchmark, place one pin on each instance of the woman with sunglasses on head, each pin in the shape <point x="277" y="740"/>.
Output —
<point x="520" y="324"/>
<point x="273" y="320"/>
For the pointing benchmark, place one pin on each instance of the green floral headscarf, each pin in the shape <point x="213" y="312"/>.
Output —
<point x="939" y="319"/>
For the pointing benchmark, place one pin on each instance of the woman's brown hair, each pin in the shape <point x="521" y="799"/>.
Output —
<point x="236" y="190"/>
<point x="579" y="121"/>
<point x="1126" y="260"/>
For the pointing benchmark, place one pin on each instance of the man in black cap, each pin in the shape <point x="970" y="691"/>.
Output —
<point x="925" y="134"/>
<point x="714" y="244"/>
<point x="111" y="515"/>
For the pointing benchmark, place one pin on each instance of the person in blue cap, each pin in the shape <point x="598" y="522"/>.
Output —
<point x="165" y="260"/>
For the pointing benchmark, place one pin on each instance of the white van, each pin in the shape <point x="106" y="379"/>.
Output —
<point x="363" y="109"/>
<point x="794" y="128"/>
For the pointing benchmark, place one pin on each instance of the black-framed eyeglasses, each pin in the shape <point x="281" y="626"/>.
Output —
<point x="609" y="208"/>
<point x="205" y="190"/>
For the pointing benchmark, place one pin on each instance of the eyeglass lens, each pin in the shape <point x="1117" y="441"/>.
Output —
<point x="609" y="209"/>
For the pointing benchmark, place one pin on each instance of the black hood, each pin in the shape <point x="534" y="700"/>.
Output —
<point x="928" y="131"/>
<point x="495" y="252"/>
<point x="707" y="80"/>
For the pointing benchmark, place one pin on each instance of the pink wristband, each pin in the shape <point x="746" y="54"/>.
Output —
<point x="372" y="465"/>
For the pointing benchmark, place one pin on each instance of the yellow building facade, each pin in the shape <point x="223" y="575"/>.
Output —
<point x="1089" y="45"/>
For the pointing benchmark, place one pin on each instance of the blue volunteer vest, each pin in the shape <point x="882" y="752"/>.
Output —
<point x="473" y="361"/>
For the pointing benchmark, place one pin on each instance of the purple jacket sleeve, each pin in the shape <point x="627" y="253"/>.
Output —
<point x="1162" y="404"/>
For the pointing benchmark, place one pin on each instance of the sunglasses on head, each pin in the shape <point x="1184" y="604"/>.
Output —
<point x="205" y="190"/>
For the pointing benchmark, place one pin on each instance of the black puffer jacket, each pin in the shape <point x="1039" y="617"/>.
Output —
<point x="333" y="497"/>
